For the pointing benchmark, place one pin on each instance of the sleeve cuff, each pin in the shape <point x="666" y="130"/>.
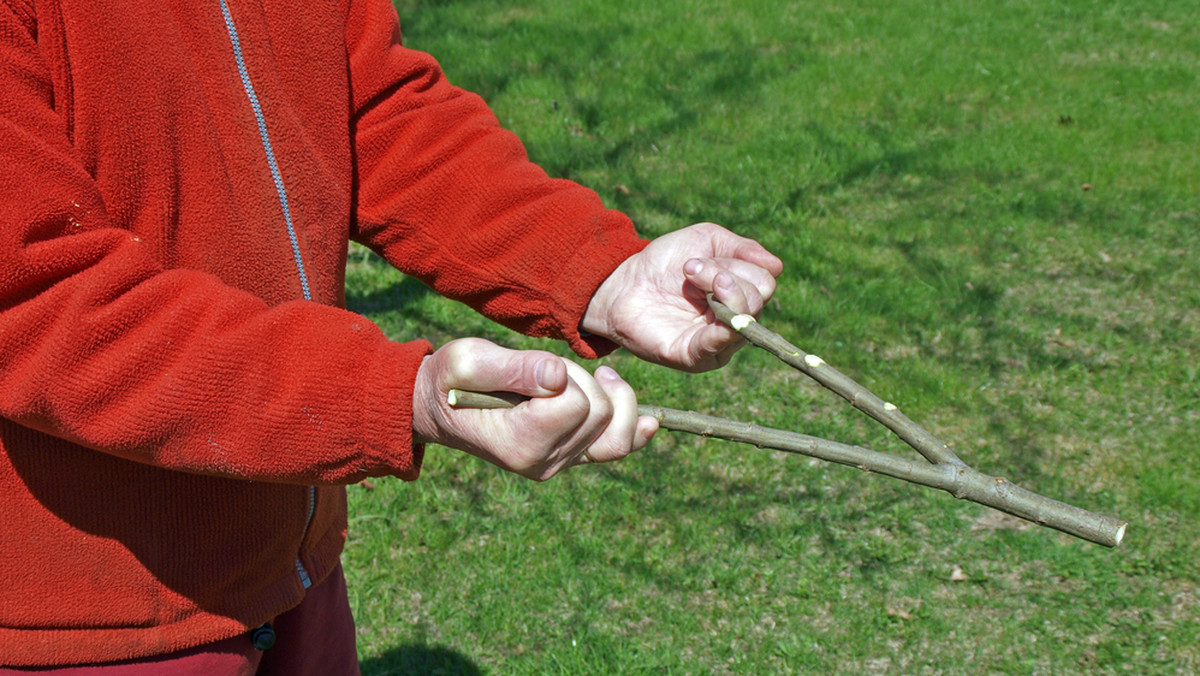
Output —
<point x="596" y="267"/>
<point x="387" y="411"/>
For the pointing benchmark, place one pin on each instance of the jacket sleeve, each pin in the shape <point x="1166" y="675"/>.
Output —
<point x="447" y="196"/>
<point x="102" y="347"/>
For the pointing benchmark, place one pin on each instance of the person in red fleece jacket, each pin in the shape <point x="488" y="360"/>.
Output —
<point x="183" y="395"/>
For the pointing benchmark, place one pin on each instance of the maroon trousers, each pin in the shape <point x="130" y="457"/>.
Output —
<point x="316" y="638"/>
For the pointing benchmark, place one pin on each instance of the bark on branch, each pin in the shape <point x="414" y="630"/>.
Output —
<point x="944" y="470"/>
<point x="956" y="478"/>
<point x="816" y="368"/>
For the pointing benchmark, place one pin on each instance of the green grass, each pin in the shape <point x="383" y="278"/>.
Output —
<point x="987" y="213"/>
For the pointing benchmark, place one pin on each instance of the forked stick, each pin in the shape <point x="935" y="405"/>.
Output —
<point x="968" y="484"/>
<point x="944" y="470"/>
<point x="859" y="397"/>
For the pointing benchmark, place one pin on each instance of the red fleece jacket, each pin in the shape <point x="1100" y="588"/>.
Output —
<point x="178" y="177"/>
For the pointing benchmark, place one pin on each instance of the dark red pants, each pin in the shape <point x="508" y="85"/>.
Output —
<point x="316" y="638"/>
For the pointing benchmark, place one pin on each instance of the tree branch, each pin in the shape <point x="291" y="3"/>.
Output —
<point x="955" y="477"/>
<point x="859" y="397"/>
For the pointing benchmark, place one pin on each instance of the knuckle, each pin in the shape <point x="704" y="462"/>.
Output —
<point x="576" y="409"/>
<point x="602" y="410"/>
<point x="461" y="356"/>
<point x="526" y="460"/>
<point x="459" y="370"/>
<point x="625" y="392"/>
<point x="613" y="447"/>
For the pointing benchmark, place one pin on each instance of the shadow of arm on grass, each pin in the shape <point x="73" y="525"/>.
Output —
<point x="402" y="293"/>
<point x="420" y="659"/>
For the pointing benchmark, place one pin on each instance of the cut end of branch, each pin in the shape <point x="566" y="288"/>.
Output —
<point x="482" y="400"/>
<point x="1120" y="534"/>
<point x="739" y="322"/>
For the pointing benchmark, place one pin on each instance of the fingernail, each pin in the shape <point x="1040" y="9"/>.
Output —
<point x="542" y="375"/>
<point x="607" y="373"/>
<point x="693" y="267"/>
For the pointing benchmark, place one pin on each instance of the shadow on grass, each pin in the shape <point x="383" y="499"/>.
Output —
<point x="420" y="659"/>
<point x="399" y="295"/>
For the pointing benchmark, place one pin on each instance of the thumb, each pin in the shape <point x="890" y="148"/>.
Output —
<point x="541" y="374"/>
<point x="483" y="366"/>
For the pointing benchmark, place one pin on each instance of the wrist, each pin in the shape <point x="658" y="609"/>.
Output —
<point x="425" y="403"/>
<point x="597" y="319"/>
<point x="594" y="322"/>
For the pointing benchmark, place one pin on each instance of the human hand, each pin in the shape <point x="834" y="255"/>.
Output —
<point x="569" y="413"/>
<point x="654" y="304"/>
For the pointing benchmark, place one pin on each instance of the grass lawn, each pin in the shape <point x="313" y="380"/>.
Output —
<point x="988" y="215"/>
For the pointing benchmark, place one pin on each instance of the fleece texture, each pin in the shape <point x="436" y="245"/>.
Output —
<point x="168" y="395"/>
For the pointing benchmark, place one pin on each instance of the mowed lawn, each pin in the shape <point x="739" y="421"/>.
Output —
<point x="988" y="214"/>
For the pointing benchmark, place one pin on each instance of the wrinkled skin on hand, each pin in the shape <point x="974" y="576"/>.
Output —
<point x="654" y="304"/>
<point x="568" y="411"/>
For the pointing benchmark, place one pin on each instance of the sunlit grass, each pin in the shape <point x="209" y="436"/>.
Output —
<point x="987" y="213"/>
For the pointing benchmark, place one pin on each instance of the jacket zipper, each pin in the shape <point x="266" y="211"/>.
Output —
<point x="305" y="580"/>
<point x="281" y="191"/>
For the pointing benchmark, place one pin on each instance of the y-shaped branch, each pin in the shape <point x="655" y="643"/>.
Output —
<point x="944" y="469"/>
<point x="859" y="397"/>
<point x="971" y="485"/>
<point x="955" y="478"/>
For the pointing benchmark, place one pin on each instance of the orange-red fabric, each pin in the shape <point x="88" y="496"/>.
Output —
<point x="167" y="396"/>
<point x="316" y="638"/>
